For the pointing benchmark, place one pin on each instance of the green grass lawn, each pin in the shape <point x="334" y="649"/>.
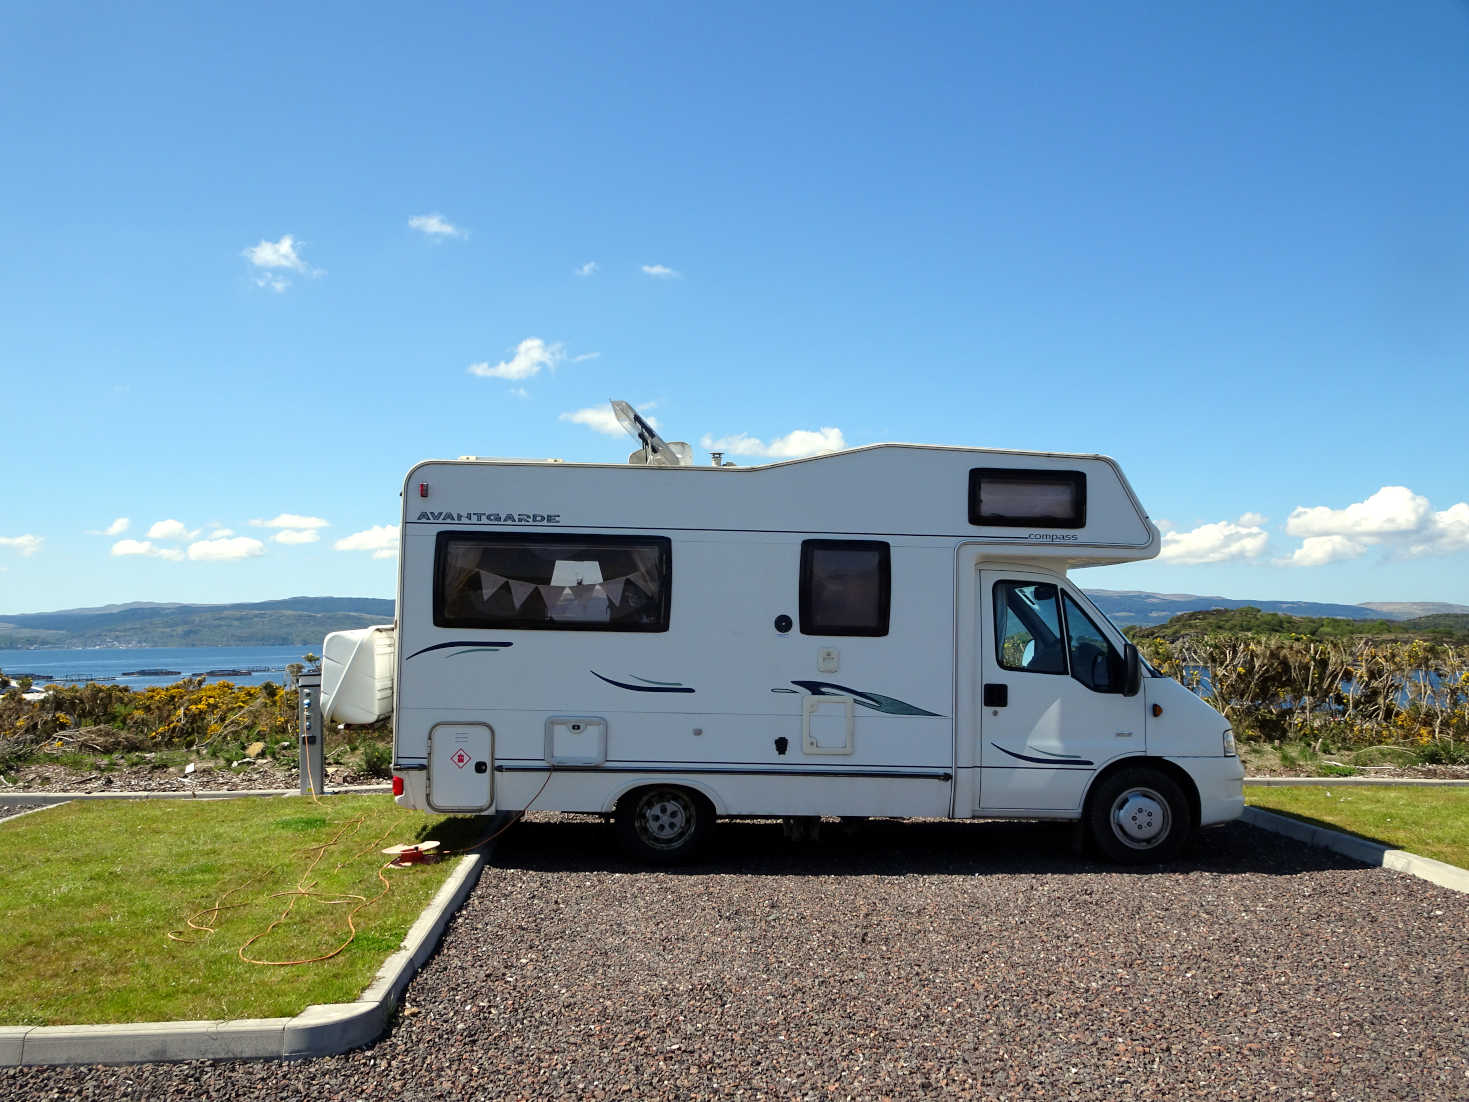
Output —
<point x="1431" y="822"/>
<point x="92" y="890"/>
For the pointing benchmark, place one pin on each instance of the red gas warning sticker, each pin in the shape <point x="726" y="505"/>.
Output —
<point x="459" y="758"/>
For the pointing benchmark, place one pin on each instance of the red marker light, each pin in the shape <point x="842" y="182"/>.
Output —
<point x="397" y="786"/>
<point x="423" y="489"/>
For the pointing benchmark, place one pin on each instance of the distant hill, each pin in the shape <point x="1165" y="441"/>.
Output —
<point x="1443" y="627"/>
<point x="1409" y="610"/>
<point x="1127" y="606"/>
<point x="293" y="621"/>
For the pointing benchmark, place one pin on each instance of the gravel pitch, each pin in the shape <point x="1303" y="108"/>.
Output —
<point x="952" y="960"/>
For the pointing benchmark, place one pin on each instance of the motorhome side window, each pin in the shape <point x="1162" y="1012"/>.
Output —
<point x="846" y="587"/>
<point x="1005" y="498"/>
<point x="561" y="582"/>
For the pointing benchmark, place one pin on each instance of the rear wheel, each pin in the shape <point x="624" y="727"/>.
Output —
<point x="663" y="824"/>
<point x="1138" y="816"/>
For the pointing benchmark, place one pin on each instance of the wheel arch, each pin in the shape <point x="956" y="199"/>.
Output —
<point x="653" y="780"/>
<point x="1172" y="770"/>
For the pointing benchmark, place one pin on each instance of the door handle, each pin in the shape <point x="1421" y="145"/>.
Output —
<point x="996" y="694"/>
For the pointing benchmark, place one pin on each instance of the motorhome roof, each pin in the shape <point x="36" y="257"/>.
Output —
<point x="1078" y="509"/>
<point x="784" y="462"/>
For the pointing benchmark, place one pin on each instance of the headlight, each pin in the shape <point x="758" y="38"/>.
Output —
<point x="1228" y="742"/>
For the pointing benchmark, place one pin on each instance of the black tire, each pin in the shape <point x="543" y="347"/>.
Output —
<point x="663" y="824"/>
<point x="1139" y="816"/>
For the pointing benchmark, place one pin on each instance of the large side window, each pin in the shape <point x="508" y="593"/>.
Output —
<point x="1094" y="661"/>
<point x="1028" y="633"/>
<point x="566" y="582"/>
<point x="1005" y="498"/>
<point x="846" y="587"/>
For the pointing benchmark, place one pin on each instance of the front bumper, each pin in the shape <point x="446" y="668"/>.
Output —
<point x="1220" y="782"/>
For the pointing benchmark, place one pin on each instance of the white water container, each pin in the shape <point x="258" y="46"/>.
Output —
<point x="357" y="675"/>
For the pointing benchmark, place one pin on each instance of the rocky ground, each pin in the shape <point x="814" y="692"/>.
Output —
<point x="149" y="775"/>
<point x="911" y="960"/>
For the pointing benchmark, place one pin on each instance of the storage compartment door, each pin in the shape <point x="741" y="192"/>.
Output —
<point x="460" y="767"/>
<point x="826" y="724"/>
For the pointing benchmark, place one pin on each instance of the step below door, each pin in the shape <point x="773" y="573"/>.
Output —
<point x="459" y="767"/>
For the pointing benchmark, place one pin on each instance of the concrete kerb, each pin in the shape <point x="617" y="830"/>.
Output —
<point x="9" y="796"/>
<point x="321" y="1030"/>
<point x="1352" y="782"/>
<point x="1360" y="849"/>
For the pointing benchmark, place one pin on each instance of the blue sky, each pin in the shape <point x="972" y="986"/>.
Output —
<point x="262" y="259"/>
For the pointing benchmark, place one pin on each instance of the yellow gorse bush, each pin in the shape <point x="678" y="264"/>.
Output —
<point x="1356" y="692"/>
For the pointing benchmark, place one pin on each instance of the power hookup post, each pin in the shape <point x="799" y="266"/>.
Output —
<point x="310" y="756"/>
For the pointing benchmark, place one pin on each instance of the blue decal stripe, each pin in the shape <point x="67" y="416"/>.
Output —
<point x="888" y="705"/>
<point x="461" y="643"/>
<point x="644" y="688"/>
<point x="1043" y="761"/>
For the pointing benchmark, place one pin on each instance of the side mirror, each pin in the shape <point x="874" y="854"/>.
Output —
<point x="1132" y="676"/>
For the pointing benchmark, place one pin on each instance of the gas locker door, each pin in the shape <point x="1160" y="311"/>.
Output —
<point x="460" y="767"/>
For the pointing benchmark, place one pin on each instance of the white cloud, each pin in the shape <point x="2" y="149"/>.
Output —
<point x="1391" y="509"/>
<point x="146" y="548"/>
<point x="170" y="530"/>
<point x="1253" y="520"/>
<point x="1320" y="550"/>
<point x="531" y="355"/>
<point x="600" y="418"/>
<point x="1394" y="518"/>
<point x="297" y="535"/>
<point x="793" y="445"/>
<point x="1445" y="533"/>
<point x="292" y="520"/>
<point x="589" y="268"/>
<point x="27" y="544"/>
<point x="435" y="225"/>
<point x="280" y="254"/>
<point x="1218" y="542"/>
<point x="660" y="271"/>
<point x="226" y="550"/>
<point x="382" y="539"/>
<point x="271" y="258"/>
<point x="220" y="533"/>
<point x="117" y="527"/>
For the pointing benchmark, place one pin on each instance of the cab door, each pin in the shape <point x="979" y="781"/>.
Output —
<point x="1051" y="705"/>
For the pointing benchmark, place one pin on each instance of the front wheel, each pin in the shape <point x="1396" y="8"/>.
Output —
<point x="663" y="824"/>
<point x="1138" y="816"/>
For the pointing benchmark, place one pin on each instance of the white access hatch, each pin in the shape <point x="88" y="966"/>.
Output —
<point x="460" y="767"/>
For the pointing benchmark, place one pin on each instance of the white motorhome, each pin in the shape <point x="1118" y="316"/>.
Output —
<point x="884" y="631"/>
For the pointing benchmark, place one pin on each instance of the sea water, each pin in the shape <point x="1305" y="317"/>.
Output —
<point x="123" y="666"/>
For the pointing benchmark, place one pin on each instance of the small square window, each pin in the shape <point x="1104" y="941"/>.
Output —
<point x="846" y="587"/>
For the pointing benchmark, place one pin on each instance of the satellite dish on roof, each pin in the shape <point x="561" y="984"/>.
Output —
<point x="655" y="452"/>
